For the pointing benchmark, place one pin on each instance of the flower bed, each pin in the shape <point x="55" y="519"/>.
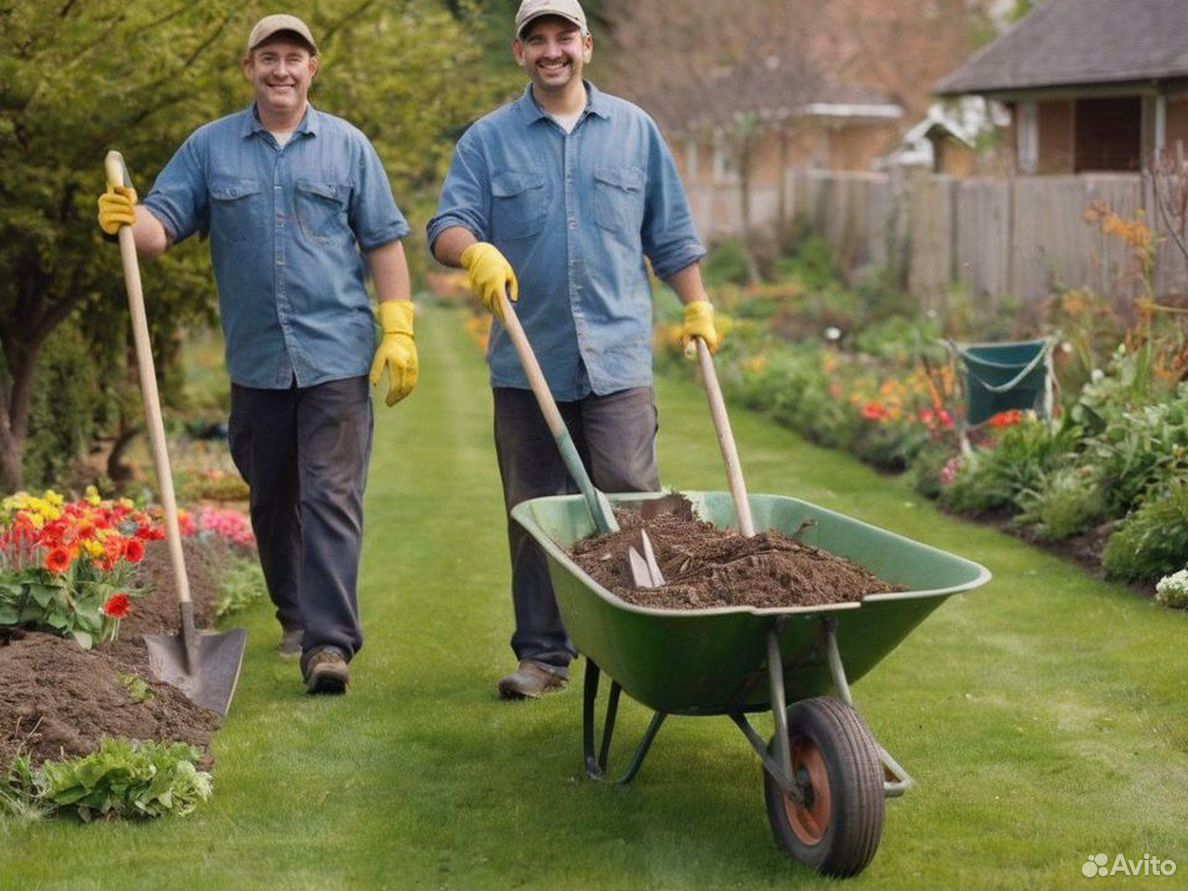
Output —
<point x="72" y="699"/>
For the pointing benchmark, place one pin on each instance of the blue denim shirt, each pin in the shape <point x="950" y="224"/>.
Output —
<point x="575" y="214"/>
<point x="286" y="227"/>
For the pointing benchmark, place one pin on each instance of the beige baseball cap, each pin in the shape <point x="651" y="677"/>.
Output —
<point x="272" y="24"/>
<point x="570" y="10"/>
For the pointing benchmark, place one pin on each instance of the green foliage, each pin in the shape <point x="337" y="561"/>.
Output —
<point x="68" y="406"/>
<point x="137" y="688"/>
<point x="811" y="265"/>
<point x="1068" y="501"/>
<point x="126" y="778"/>
<point x="1024" y="457"/>
<point x="725" y="264"/>
<point x="18" y="792"/>
<point x="1153" y="541"/>
<point x="242" y="585"/>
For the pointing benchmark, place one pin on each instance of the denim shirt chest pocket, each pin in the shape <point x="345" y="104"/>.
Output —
<point x="519" y="205"/>
<point x="235" y="209"/>
<point x="321" y="209"/>
<point x="619" y="198"/>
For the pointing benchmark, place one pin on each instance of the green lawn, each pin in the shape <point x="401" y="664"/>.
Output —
<point x="1044" y="717"/>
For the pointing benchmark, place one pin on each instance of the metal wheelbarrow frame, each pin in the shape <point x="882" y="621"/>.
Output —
<point x="825" y="775"/>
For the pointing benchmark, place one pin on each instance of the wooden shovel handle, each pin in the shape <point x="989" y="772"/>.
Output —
<point x="734" y="475"/>
<point x="117" y="175"/>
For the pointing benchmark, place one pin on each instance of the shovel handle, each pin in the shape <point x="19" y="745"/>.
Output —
<point x="734" y="474"/>
<point x="600" y="508"/>
<point x="117" y="175"/>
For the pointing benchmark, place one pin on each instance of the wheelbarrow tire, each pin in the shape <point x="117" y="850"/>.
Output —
<point x="836" y="759"/>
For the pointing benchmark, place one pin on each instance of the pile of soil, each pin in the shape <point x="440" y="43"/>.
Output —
<point x="705" y="567"/>
<point x="58" y="700"/>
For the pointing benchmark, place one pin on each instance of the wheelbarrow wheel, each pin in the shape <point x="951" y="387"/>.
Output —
<point x="836" y="763"/>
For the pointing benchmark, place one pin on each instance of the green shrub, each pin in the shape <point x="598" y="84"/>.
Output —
<point x="925" y="470"/>
<point x="994" y="478"/>
<point x="726" y="264"/>
<point x="811" y="265"/>
<point x="1070" y="501"/>
<point x="66" y="407"/>
<point x="1153" y="541"/>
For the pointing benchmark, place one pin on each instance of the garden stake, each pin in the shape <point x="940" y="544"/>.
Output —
<point x="644" y="570"/>
<point x="205" y="667"/>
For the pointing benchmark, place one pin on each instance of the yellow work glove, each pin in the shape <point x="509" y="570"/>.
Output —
<point x="489" y="274"/>
<point x="117" y="207"/>
<point x="699" y="322"/>
<point x="397" y="351"/>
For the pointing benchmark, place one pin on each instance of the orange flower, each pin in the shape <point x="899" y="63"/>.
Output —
<point x="118" y="606"/>
<point x="58" y="560"/>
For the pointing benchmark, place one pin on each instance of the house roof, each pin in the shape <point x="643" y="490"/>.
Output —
<point x="772" y="89"/>
<point x="1080" y="42"/>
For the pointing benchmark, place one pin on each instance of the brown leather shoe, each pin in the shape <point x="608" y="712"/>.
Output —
<point x="531" y="680"/>
<point x="327" y="672"/>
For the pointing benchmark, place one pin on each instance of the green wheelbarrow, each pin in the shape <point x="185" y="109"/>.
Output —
<point x="825" y="775"/>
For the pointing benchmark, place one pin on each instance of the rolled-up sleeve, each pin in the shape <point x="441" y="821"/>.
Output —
<point x="465" y="197"/>
<point x="179" y="197"/>
<point x="373" y="215"/>
<point x="669" y="236"/>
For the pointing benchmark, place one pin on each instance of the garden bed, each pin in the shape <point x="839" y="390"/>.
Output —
<point x="58" y="700"/>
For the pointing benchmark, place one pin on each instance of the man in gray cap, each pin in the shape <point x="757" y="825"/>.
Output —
<point x="560" y="196"/>
<point x="299" y="210"/>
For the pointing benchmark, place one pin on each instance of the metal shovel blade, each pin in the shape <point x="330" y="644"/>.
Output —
<point x="209" y="679"/>
<point x="645" y="571"/>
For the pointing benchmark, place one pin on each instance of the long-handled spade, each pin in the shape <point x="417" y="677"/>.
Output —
<point x="645" y="572"/>
<point x="205" y="667"/>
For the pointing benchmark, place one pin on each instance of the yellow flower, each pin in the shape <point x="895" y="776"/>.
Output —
<point x="92" y="496"/>
<point x="93" y="548"/>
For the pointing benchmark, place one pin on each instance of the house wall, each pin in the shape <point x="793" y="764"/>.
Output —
<point x="1177" y="124"/>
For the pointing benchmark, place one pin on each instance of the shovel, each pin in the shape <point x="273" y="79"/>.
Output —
<point x="644" y="570"/>
<point x="205" y="667"/>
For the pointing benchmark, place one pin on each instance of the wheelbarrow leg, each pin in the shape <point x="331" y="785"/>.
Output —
<point x="596" y="767"/>
<point x="777" y="763"/>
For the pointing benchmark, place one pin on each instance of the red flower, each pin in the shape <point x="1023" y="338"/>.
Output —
<point x="58" y="560"/>
<point x="133" y="550"/>
<point x="118" y="606"/>
<point x="872" y="411"/>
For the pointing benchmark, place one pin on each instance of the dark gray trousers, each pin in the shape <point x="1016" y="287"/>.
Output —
<point x="616" y="437"/>
<point x="304" y="454"/>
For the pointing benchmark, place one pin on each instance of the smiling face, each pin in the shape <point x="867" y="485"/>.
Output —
<point x="281" y="71"/>
<point x="552" y="53"/>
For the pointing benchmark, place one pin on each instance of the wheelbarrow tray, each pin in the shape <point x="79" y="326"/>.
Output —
<point x="714" y="661"/>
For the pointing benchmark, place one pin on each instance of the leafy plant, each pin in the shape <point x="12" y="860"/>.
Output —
<point x="1068" y="502"/>
<point x="1152" y="541"/>
<point x="242" y="585"/>
<point x="126" y="778"/>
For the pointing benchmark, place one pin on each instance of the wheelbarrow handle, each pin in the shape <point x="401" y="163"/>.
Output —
<point x="734" y="474"/>
<point x="117" y="175"/>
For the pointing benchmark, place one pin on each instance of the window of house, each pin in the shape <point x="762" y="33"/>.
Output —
<point x="1109" y="134"/>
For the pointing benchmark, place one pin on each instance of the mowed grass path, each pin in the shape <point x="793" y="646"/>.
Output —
<point x="1045" y="717"/>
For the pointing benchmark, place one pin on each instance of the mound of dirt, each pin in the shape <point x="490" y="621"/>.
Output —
<point x="705" y="567"/>
<point x="58" y="700"/>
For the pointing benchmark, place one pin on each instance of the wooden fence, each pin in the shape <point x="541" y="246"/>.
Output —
<point x="1023" y="237"/>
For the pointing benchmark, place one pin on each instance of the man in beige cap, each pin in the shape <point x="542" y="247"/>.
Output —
<point x="560" y="196"/>
<point x="299" y="210"/>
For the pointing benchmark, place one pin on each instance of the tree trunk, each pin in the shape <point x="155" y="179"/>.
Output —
<point x="16" y="402"/>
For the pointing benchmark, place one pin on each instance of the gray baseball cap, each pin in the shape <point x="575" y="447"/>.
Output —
<point x="273" y="24"/>
<point x="570" y="10"/>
